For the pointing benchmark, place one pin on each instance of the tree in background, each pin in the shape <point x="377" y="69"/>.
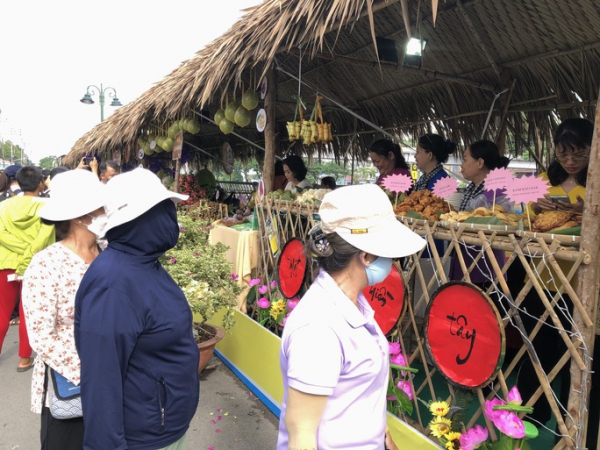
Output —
<point x="13" y="154"/>
<point x="49" y="162"/>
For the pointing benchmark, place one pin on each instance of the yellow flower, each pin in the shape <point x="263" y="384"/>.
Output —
<point x="440" y="426"/>
<point x="277" y="308"/>
<point x="453" y="440"/>
<point x="439" y="408"/>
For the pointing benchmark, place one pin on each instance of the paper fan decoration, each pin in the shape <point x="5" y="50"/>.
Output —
<point x="526" y="189"/>
<point x="445" y="187"/>
<point x="498" y="179"/>
<point x="397" y="183"/>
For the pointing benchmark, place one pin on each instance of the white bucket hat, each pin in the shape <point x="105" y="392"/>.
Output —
<point x="74" y="193"/>
<point x="363" y="216"/>
<point x="131" y="194"/>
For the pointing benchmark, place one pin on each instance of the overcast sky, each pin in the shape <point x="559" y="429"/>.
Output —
<point x="52" y="50"/>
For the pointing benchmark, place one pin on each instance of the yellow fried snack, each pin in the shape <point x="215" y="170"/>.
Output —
<point x="550" y="220"/>
<point x="424" y="203"/>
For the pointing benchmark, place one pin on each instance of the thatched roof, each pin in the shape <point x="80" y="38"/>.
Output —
<point x="544" y="55"/>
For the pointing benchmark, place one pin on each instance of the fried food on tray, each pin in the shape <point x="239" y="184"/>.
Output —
<point x="424" y="203"/>
<point x="499" y="212"/>
<point x="555" y="221"/>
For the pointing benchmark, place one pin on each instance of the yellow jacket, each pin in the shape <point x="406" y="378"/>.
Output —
<point x="22" y="233"/>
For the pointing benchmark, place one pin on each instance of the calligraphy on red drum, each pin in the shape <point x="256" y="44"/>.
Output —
<point x="464" y="334"/>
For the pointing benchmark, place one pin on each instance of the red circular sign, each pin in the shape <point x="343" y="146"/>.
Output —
<point x="464" y="334"/>
<point x="291" y="268"/>
<point x="388" y="299"/>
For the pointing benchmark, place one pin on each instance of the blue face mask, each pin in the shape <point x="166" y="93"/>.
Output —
<point x="378" y="270"/>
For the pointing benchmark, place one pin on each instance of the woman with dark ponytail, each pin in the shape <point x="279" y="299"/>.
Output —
<point x="387" y="159"/>
<point x="432" y="151"/>
<point x="479" y="159"/>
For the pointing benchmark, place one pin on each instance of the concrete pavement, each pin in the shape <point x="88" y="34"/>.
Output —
<point x="240" y="420"/>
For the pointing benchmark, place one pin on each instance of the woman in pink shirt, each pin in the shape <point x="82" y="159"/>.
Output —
<point x="387" y="159"/>
<point x="334" y="357"/>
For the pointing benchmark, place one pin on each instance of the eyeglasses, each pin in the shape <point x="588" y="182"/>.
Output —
<point x="575" y="157"/>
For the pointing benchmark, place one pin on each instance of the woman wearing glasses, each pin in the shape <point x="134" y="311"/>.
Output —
<point x="567" y="175"/>
<point x="568" y="172"/>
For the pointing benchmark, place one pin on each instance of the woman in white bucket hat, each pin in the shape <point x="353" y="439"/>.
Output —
<point x="334" y="357"/>
<point x="49" y="287"/>
<point x="133" y="326"/>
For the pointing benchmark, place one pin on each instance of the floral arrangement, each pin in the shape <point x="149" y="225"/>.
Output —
<point x="514" y="431"/>
<point x="400" y="393"/>
<point x="271" y="309"/>
<point x="188" y="184"/>
<point x="201" y="270"/>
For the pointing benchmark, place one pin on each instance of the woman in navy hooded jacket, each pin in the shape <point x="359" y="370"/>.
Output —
<point x="133" y="326"/>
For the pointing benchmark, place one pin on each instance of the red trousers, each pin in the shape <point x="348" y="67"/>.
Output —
<point x="10" y="291"/>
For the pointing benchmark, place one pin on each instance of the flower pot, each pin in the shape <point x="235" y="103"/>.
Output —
<point x="207" y="348"/>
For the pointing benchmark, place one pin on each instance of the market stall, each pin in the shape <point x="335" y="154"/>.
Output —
<point x="469" y="84"/>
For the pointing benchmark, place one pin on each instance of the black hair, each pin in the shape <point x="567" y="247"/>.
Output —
<point x="106" y="164"/>
<point x="337" y="254"/>
<point x="488" y="151"/>
<point x="61" y="228"/>
<point x="279" y="168"/>
<point x="436" y="144"/>
<point x="29" y="178"/>
<point x="328" y="182"/>
<point x="571" y="134"/>
<point x="57" y="170"/>
<point x="296" y="165"/>
<point x="383" y="147"/>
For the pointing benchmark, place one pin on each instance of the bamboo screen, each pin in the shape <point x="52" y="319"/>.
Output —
<point x="532" y="291"/>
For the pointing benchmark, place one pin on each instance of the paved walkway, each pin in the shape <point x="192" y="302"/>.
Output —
<point x="240" y="420"/>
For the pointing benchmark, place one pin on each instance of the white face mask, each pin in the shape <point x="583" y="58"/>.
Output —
<point x="98" y="225"/>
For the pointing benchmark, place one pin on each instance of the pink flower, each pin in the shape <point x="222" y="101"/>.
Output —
<point x="398" y="360"/>
<point x="234" y="276"/>
<point x="509" y="424"/>
<point x="263" y="289"/>
<point x="473" y="438"/>
<point x="292" y="303"/>
<point x="264" y="303"/>
<point x="273" y="284"/>
<point x="490" y="413"/>
<point x="254" y="282"/>
<point x="394" y="348"/>
<point x="405" y="386"/>
<point x="173" y="260"/>
<point x="514" y="397"/>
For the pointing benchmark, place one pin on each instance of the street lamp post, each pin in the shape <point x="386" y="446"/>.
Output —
<point x="112" y="93"/>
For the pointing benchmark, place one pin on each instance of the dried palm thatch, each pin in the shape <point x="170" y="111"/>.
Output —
<point x="543" y="55"/>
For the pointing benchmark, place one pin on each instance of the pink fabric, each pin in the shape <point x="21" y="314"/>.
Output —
<point x="398" y="171"/>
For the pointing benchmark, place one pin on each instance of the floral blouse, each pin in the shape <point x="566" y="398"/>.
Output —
<point x="49" y="287"/>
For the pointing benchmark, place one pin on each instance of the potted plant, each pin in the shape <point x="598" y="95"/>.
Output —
<point x="204" y="274"/>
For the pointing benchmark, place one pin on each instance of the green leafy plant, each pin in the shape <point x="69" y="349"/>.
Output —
<point x="201" y="270"/>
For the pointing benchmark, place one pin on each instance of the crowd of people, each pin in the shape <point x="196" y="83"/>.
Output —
<point x="111" y="321"/>
<point x="123" y="343"/>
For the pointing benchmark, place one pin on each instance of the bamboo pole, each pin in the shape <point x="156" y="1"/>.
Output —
<point x="270" y="130"/>
<point x="587" y="289"/>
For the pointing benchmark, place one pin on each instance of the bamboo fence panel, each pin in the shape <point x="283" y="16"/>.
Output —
<point x="555" y="257"/>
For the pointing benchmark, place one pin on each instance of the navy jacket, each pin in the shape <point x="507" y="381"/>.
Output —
<point x="133" y="332"/>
